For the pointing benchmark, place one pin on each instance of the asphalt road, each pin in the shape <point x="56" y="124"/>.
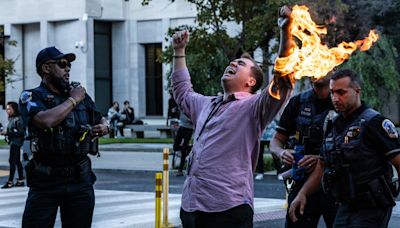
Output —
<point x="144" y="181"/>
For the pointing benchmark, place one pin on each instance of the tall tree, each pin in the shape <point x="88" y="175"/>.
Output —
<point x="211" y="48"/>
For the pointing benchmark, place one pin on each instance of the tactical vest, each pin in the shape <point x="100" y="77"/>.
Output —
<point x="68" y="138"/>
<point x="310" y="124"/>
<point x="349" y="163"/>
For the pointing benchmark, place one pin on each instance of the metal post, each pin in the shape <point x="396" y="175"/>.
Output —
<point x="158" y="199"/>
<point x="165" y="223"/>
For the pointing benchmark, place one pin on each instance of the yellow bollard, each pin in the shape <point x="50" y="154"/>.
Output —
<point x="165" y="223"/>
<point x="158" y="199"/>
<point x="286" y="205"/>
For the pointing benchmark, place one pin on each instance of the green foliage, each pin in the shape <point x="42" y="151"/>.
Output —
<point x="268" y="162"/>
<point x="378" y="71"/>
<point x="6" y="65"/>
<point x="210" y="47"/>
<point x="205" y="69"/>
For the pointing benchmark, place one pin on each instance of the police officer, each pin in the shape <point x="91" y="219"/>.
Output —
<point x="64" y="125"/>
<point x="302" y="120"/>
<point x="357" y="154"/>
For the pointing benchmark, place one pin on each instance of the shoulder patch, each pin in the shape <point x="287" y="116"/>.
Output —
<point x="25" y="96"/>
<point x="390" y="129"/>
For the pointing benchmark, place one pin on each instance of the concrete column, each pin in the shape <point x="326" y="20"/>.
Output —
<point x="46" y="34"/>
<point x="89" y="55"/>
<point x="120" y="62"/>
<point x="166" y="68"/>
<point x="137" y="71"/>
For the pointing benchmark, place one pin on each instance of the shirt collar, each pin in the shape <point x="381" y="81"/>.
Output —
<point x="232" y="97"/>
<point x="356" y="112"/>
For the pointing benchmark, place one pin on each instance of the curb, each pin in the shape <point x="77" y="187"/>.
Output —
<point x="132" y="149"/>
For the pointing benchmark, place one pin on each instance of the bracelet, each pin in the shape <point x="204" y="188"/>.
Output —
<point x="179" y="56"/>
<point x="73" y="101"/>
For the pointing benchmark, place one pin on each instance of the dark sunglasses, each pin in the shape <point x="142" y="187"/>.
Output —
<point x="62" y="63"/>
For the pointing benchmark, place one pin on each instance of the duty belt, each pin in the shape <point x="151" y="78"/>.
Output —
<point x="64" y="172"/>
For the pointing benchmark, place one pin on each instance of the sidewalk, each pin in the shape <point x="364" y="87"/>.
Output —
<point x="121" y="157"/>
<point x="135" y="147"/>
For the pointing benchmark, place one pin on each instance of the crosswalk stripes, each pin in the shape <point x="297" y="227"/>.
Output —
<point x="128" y="209"/>
<point x="118" y="208"/>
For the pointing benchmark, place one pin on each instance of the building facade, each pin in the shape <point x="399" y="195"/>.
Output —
<point x="116" y="43"/>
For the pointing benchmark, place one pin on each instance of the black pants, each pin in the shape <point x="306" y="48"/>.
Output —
<point x="237" y="217"/>
<point x="15" y="162"/>
<point x="368" y="217"/>
<point x="76" y="202"/>
<point x="317" y="204"/>
<point x="260" y="161"/>
<point x="181" y="143"/>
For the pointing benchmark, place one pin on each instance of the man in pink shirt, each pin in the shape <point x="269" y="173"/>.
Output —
<point x="218" y="191"/>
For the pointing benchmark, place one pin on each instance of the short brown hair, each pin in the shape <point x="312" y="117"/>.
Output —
<point x="256" y="73"/>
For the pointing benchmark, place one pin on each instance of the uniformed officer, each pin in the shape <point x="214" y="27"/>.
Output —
<point x="303" y="118"/>
<point x="64" y="124"/>
<point x="357" y="154"/>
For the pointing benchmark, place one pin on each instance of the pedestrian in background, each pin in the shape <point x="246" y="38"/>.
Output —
<point x="181" y="142"/>
<point x="15" y="138"/>
<point x="115" y="119"/>
<point x="130" y="118"/>
<point x="265" y="140"/>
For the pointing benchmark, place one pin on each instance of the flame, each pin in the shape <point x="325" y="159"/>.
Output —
<point x="314" y="59"/>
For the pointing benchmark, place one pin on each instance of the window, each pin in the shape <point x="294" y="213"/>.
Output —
<point x="103" y="65"/>
<point x="154" y="89"/>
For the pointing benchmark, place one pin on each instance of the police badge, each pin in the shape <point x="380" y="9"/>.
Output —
<point x="25" y="96"/>
<point x="390" y="129"/>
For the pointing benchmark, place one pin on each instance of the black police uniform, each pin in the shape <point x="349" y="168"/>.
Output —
<point x="305" y="114"/>
<point x="59" y="174"/>
<point x="357" y="171"/>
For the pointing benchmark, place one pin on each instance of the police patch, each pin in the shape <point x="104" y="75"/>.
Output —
<point x="25" y="96"/>
<point x="390" y="129"/>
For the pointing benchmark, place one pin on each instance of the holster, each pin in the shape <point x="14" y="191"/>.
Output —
<point x="381" y="192"/>
<point x="85" y="171"/>
<point x="339" y="184"/>
<point x="376" y="194"/>
<point x="87" y="146"/>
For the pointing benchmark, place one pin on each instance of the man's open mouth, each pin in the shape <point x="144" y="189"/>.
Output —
<point x="230" y="70"/>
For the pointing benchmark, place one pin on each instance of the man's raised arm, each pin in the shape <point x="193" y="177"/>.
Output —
<point x="179" y="42"/>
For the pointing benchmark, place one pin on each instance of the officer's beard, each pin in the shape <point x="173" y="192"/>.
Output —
<point x="61" y="85"/>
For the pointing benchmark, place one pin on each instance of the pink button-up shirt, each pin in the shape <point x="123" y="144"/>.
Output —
<point x="225" y="154"/>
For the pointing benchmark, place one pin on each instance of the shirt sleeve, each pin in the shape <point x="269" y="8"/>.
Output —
<point x="190" y="102"/>
<point x="30" y="104"/>
<point x="287" y="122"/>
<point x="382" y="133"/>
<point x="267" y="106"/>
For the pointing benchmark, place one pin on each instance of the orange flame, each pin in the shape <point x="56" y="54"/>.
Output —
<point x="314" y="59"/>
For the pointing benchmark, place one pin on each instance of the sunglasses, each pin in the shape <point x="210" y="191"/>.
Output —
<point x="62" y="63"/>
